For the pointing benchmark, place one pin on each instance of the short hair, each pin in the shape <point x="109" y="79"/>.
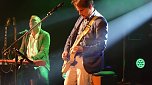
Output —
<point x="83" y="3"/>
<point x="36" y="18"/>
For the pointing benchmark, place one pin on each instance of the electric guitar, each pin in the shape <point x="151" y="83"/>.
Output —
<point x="67" y="63"/>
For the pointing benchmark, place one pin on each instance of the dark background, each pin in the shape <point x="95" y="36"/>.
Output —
<point x="60" y="23"/>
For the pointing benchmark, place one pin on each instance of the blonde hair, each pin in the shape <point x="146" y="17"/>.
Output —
<point x="36" y="18"/>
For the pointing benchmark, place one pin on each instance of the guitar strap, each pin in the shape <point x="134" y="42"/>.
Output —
<point x="87" y="28"/>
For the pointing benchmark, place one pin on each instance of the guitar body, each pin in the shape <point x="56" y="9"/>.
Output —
<point x="67" y="63"/>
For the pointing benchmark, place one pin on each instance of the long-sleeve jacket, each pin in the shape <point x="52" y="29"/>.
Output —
<point x="43" y="47"/>
<point x="93" y="43"/>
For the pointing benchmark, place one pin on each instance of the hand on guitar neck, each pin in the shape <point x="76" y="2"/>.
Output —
<point x="77" y="49"/>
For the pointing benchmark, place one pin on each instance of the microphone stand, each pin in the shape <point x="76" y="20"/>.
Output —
<point x="123" y="81"/>
<point x="13" y="44"/>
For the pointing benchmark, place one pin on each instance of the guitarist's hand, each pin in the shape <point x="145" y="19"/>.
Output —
<point x="64" y="55"/>
<point x="78" y="49"/>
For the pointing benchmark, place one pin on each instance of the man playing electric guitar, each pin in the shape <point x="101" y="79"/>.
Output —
<point x="89" y="51"/>
<point x="73" y="51"/>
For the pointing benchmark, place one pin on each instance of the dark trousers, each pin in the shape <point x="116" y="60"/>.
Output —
<point x="27" y="75"/>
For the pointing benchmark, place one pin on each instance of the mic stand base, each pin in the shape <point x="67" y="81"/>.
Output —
<point x="123" y="83"/>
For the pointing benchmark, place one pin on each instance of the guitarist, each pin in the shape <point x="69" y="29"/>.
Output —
<point x="90" y="50"/>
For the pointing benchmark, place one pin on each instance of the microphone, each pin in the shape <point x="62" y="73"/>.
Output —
<point x="8" y="22"/>
<point x="55" y="8"/>
<point x="22" y="32"/>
